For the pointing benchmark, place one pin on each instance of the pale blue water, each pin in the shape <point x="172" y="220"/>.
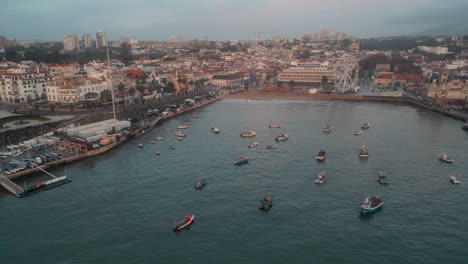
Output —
<point x="120" y="206"/>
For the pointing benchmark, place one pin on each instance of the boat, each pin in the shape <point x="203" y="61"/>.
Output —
<point x="159" y="138"/>
<point x="282" y="137"/>
<point x="266" y="203"/>
<point x="180" y="138"/>
<point x="371" y="204"/>
<point x="454" y="180"/>
<point x="241" y="161"/>
<point x="140" y="145"/>
<point x="321" y="177"/>
<point x="188" y="220"/>
<point x="446" y="158"/>
<point x="151" y="142"/>
<point x="195" y="116"/>
<point x="200" y="184"/>
<point x="183" y="127"/>
<point x="180" y="134"/>
<point x="172" y="147"/>
<point x="157" y="152"/>
<point x="44" y="186"/>
<point x="382" y="178"/>
<point x="274" y="126"/>
<point x="248" y="134"/>
<point x="253" y="144"/>
<point x="357" y="133"/>
<point x="272" y="146"/>
<point x="364" y="152"/>
<point x="215" y="130"/>
<point x="365" y="126"/>
<point x="327" y="128"/>
<point x="321" y="155"/>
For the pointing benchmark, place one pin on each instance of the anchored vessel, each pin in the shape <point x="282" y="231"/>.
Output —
<point x="183" y="127"/>
<point x="172" y="147"/>
<point x="321" y="177"/>
<point x="454" y="180"/>
<point x="321" y="155"/>
<point x="274" y="126"/>
<point x="364" y="152"/>
<point x="140" y="145"/>
<point x="241" y="161"/>
<point x="357" y="133"/>
<point x="56" y="181"/>
<point x="267" y="203"/>
<point x="272" y="146"/>
<point x="382" y="177"/>
<point x="248" y="134"/>
<point x="327" y="128"/>
<point x="365" y="126"/>
<point x="215" y="130"/>
<point x="200" y="184"/>
<point x="188" y="220"/>
<point x="446" y="158"/>
<point x="253" y="144"/>
<point x="282" y="137"/>
<point x="371" y="204"/>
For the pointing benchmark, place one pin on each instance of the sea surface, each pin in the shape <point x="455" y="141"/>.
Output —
<point x="120" y="206"/>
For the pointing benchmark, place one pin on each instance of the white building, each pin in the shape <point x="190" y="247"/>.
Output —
<point x="23" y="85"/>
<point x="436" y="50"/>
<point x="130" y="41"/>
<point x="70" y="43"/>
<point x="68" y="90"/>
<point x="304" y="75"/>
<point x="87" y="41"/>
<point x="101" y="39"/>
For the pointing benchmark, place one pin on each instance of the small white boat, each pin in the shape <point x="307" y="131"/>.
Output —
<point x="180" y="134"/>
<point x="272" y="146"/>
<point x="180" y="138"/>
<point x="365" y="126"/>
<point x="357" y="133"/>
<point x="274" y="126"/>
<point x="157" y="152"/>
<point x="327" y="129"/>
<point x="183" y="127"/>
<point x="215" y="130"/>
<point x="321" y="177"/>
<point x="159" y="138"/>
<point x="364" y="152"/>
<point x="446" y="158"/>
<point x="454" y="180"/>
<point x="140" y="145"/>
<point x="151" y="142"/>
<point x="253" y="144"/>
<point x="282" y="137"/>
<point x="248" y="134"/>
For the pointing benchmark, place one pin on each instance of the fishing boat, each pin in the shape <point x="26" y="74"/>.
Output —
<point x="321" y="155"/>
<point x="180" y="134"/>
<point x="274" y="146"/>
<point x="248" y="134"/>
<point x="321" y="177"/>
<point x="266" y="203"/>
<point x="242" y="161"/>
<point x="215" y="130"/>
<point x="454" y="180"/>
<point x="365" y="126"/>
<point x="358" y="133"/>
<point x="157" y="152"/>
<point x="446" y="158"/>
<point x="172" y="147"/>
<point x="200" y="184"/>
<point x="282" y="137"/>
<point x="383" y="179"/>
<point x="371" y="204"/>
<point x="140" y="145"/>
<point x="183" y="127"/>
<point x="327" y="128"/>
<point x="188" y="220"/>
<point x="364" y="152"/>
<point x="274" y="126"/>
<point x="151" y="142"/>
<point x="159" y="138"/>
<point x="44" y="186"/>
<point x="253" y="144"/>
<point x="195" y="116"/>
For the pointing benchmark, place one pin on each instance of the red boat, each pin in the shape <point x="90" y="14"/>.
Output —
<point x="188" y="220"/>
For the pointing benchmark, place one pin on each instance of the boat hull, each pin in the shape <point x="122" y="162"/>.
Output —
<point x="371" y="210"/>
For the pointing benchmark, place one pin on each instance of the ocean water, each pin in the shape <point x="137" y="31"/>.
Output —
<point x="120" y="206"/>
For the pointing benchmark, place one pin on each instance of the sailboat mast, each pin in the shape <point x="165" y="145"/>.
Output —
<point x="109" y="82"/>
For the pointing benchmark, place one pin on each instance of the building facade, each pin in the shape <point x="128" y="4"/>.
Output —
<point x="101" y="39"/>
<point x="69" y="91"/>
<point x="87" y="41"/>
<point x="70" y="43"/>
<point x="23" y="85"/>
<point x="229" y="80"/>
<point x="306" y="75"/>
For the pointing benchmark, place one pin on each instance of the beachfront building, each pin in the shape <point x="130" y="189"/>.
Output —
<point x="448" y="87"/>
<point x="306" y="75"/>
<point x="20" y="85"/>
<point x="65" y="90"/>
<point x="397" y="79"/>
<point x="227" y="80"/>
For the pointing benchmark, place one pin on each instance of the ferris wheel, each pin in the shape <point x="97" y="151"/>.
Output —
<point x="346" y="74"/>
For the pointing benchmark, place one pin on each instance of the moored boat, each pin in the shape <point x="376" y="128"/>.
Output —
<point x="274" y="146"/>
<point x="357" y="133"/>
<point x="446" y="158"/>
<point x="365" y="126"/>
<point x="321" y="177"/>
<point x="188" y="220"/>
<point x="172" y="147"/>
<point x="159" y="138"/>
<point x="140" y="145"/>
<point x="454" y="180"/>
<point x="248" y="134"/>
<point x="151" y="142"/>
<point x="266" y="203"/>
<point x="274" y="126"/>
<point x="321" y="155"/>
<point x="364" y="152"/>
<point x="242" y="161"/>
<point x="183" y="127"/>
<point x="282" y="137"/>
<point x="327" y="128"/>
<point x="200" y="184"/>
<point x="180" y="134"/>
<point x="215" y="130"/>
<point x="253" y="144"/>
<point x="371" y="204"/>
<point x="383" y="179"/>
<point x="180" y="138"/>
<point x="157" y="152"/>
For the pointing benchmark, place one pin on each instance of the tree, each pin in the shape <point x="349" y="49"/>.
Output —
<point x="169" y="88"/>
<point x="125" y="53"/>
<point x="324" y="80"/>
<point x="121" y="87"/>
<point x="292" y="83"/>
<point x="106" y="96"/>
<point x="132" y="92"/>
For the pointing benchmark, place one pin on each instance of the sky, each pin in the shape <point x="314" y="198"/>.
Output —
<point x="229" y="19"/>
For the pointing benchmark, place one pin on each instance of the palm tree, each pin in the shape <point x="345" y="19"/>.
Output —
<point x="132" y="92"/>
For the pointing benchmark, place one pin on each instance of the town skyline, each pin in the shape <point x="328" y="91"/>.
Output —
<point x="234" y="20"/>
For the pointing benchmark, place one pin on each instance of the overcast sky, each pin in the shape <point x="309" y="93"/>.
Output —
<point x="228" y="19"/>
